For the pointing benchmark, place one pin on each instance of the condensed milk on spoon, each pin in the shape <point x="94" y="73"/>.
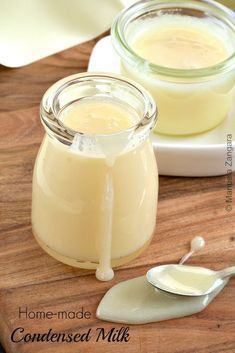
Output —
<point x="136" y="301"/>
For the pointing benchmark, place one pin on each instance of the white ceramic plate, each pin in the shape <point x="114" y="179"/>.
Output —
<point x="199" y="155"/>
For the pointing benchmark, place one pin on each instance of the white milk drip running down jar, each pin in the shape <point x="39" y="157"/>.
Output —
<point x="95" y="182"/>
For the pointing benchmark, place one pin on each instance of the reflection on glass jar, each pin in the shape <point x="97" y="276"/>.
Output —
<point x="183" y="52"/>
<point x="95" y="179"/>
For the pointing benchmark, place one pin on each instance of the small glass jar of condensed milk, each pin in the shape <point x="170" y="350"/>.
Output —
<point x="183" y="52"/>
<point x="95" y="182"/>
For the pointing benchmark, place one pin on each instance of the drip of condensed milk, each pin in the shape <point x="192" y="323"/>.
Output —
<point x="137" y="302"/>
<point x="104" y="121"/>
<point x="104" y="271"/>
<point x="197" y="244"/>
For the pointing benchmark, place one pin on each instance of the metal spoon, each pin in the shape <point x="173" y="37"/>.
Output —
<point x="187" y="280"/>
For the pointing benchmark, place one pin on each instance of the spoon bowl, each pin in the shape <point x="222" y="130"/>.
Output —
<point x="187" y="280"/>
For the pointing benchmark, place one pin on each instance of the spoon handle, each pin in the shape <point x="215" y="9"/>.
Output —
<point x="227" y="272"/>
<point x="186" y="257"/>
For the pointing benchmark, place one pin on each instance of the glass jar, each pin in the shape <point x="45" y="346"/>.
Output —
<point x="95" y="196"/>
<point x="189" y="101"/>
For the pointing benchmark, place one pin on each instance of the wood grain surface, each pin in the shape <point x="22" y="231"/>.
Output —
<point x="29" y="277"/>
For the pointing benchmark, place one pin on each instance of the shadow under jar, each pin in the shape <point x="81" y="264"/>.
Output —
<point x="95" y="181"/>
<point x="183" y="52"/>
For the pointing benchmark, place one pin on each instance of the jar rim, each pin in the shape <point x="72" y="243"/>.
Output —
<point x="49" y="114"/>
<point x="123" y="48"/>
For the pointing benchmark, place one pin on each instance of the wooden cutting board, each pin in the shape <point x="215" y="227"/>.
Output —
<point x="30" y="279"/>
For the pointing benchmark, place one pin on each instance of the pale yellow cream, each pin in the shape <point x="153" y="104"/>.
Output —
<point x="180" y="47"/>
<point x="98" y="116"/>
<point x="184" y="279"/>
<point x="88" y="212"/>
<point x="186" y="105"/>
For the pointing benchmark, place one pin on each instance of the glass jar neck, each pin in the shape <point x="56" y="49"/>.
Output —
<point x="88" y="85"/>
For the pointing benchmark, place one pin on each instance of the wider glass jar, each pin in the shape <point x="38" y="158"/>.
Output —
<point x="94" y="194"/>
<point x="189" y="100"/>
